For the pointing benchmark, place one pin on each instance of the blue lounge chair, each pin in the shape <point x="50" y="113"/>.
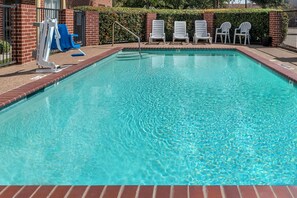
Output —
<point x="66" y="41"/>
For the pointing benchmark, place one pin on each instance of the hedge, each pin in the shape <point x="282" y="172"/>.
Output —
<point x="135" y="20"/>
<point x="259" y="18"/>
<point x="5" y="47"/>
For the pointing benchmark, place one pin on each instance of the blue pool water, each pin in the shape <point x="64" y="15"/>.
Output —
<point x="177" y="117"/>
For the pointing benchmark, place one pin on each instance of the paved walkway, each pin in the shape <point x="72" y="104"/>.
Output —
<point x="17" y="75"/>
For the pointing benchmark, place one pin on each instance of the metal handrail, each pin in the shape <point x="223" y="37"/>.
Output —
<point x="138" y="38"/>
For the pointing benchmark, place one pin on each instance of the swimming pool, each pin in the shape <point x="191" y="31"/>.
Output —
<point x="176" y="117"/>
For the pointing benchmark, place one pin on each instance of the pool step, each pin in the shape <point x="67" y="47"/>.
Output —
<point x="131" y="55"/>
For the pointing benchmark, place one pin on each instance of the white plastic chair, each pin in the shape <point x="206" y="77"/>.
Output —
<point x="157" y="31"/>
<point x="223" y="31"/>
<point x="201" y="31"/>
<point x="244" y="30"/>
<point x="180" y="31"/>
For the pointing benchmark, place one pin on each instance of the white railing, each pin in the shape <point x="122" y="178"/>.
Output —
<point x="138" y="38"/>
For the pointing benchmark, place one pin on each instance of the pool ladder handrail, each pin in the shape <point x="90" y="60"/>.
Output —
<point x="138" y="38"/>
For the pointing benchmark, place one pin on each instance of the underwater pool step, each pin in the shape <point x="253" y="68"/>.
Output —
<point x="131" y="55"/>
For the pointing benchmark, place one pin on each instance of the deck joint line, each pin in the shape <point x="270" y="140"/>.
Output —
<point x="52" y="191"/>
<point x="204" y="190"/>
<point x="68" y="192"/>
<point x="257" y="193"/>
<point x="121" y="191"/>
<point x="272" y="191"/>
<point x="137" y="192"/>
<point x="239" y="191"/>
<point x="86" y="192"/>
<point x="2" y="191"/>
<point x="290" y="191"/>
<point x="18" y="192"/>
<point x="223" y="192"/>
<point x="35" y="191"/>
<point x="171" y="194"/>
<point x="103" y="192"/>
<point x="154" y="192"/>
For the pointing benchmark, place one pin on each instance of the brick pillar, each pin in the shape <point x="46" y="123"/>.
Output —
<point x="66" y="17"/>
<point x="92" y="28"/>
<point x="275" y="27"/>
<point x="23" y="33"/>
<point x="149" y="19"/>
<point x="209" y="18"/>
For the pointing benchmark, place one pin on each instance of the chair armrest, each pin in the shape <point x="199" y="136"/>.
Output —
<point x="236" y="29"/>
<point x="74" y="35"/>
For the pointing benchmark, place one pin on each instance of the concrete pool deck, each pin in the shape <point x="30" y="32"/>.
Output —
<point x="18" y="81"/>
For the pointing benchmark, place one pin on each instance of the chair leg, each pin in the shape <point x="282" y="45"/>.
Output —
<point x="245" y="39"/>
<point x="221" y="38"/>
<point x="216" y="38"/>
<point x="234" y="39"/>
<point x="225" y="38"/>
<point x="239" y="39"/>
<point x="229" y="38"/>
<point x="249" y="39"/>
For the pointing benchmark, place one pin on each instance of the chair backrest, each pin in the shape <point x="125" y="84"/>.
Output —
<point x="225" y="27"/>
<point x="158" y="28"/>
<point x="201" y="28"/>
<point x="180" y="28"/>
<point x="245" y="27"/>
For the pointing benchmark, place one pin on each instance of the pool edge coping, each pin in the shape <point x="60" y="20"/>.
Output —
<point x="13" y="96"/>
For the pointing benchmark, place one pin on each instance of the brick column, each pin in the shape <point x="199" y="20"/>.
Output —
<point x="92" y="28"/>
<point x="275" y="27"/>
<point x="66" y="17"/>
<point x="149" y="19"/>
<point x="209" y="18"/>
<point x="23" y="33"/>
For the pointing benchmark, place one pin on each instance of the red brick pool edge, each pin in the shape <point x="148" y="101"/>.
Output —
<point x="149" y="191"/>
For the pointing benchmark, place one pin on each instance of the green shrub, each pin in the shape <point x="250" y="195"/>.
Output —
<point x="285" y="23"/>
<point x="258" y="18"/>
<point x="135" y="20"/>
<point x="4" y="46"/>
<point x="132" y="18"/>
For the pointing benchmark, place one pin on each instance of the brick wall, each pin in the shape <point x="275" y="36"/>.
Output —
<point x="209" y="18"/>
<point x="23" y="32"/>
<point x="149" y="19"/>
<point x="275" y="26"/>
<point x="66" y="17"/>
<point x="92" y="28"/>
